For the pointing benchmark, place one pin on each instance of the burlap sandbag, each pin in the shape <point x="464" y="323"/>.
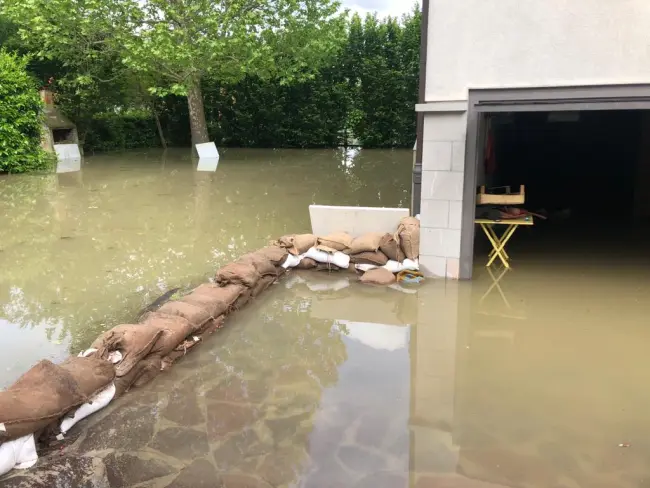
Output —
<point x="174" y="331"/>
<point x="366" y="242"/>
<point x="298" y="243"/>
<point x="326" y="267"/>
<point x="307" y="263"/>
<point x="275" y="254"/>
<point x="238" y="274"/>
<point x="377" y="258"/>
<point x="44" y="393"/>
<point x="409" y="236"/>
<point x="327" y="249"/>
<point x="91" y="374"/>
<point x="184" y="347"/>
<point x="140" y="375"/>
<point x="242" y="299"/>
<point x="217" y="299"/>
<point x="133" y="340"/>
<point x="263" y="266"/>
<point x="377" y="276"/>
<point x="391" y="248"/>
<point x="195" y="314"/>
<point x="262" y="285"/>
<point x="338" y="240"/>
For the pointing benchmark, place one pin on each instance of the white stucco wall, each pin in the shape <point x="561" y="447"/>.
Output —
<point x="531" y="43"/>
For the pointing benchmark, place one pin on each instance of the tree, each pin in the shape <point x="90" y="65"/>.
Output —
<point x="20" y="117"/>
<point x="180" y="42"/>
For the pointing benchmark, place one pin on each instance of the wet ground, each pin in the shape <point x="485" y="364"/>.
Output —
<point x="535" y="378"/>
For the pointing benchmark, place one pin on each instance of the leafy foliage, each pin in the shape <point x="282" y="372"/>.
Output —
<point x="20" y="117"/>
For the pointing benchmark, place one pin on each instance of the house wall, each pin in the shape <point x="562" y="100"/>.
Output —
<point x="529" y="43"/>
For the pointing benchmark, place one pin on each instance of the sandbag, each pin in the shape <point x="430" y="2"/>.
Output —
<point x="195" y="314"/>
<point x="174" y="330"/>
<point x="44" y="393"/>
<point x="297" y="243"/>
<point x="242" y="300"/>
<point x="367" y="242"/>
<point x="327" y="249"/>
<point x="217" y="299"/>
<point x="19" y="453"/>
<point x="95" y="404"/>
<point x="262" y="265"/>
<point x="338" y="241"/>
<point x="379" y="276"/>
<point x="307" y="263"/>
<point x="406" y="265"/>
<point x="141" y="374"/>
<point x="409" y="236"/>
<point x="275" y="254"/>
<point x="338" y="258"/>
<point x="391" y="247"/>
<point x="377" y="258"/>
<point x="92" y="374"/>
<point x="262" y="285"/>
<point x="238" y="274"/>
<point x="133" y="341"/>
<point x="292" y="261"/>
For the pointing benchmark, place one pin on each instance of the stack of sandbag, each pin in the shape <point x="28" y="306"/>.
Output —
<point x="409" y="236"/>
<point x="297" y="244"/>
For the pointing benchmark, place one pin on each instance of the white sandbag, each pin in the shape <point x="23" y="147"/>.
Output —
<point x="365" y="267"/>
<point x="292" y="261"/>
<point x="406" y="265"/>
<point x="19" y="453"/>
<point x="114" y="356"/>
<point x="330" y="285"/>
<point x="95" y="404"/>
<point x="338" y="258"/>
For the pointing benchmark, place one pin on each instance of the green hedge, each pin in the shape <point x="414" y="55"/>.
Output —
<point x="114" y="132"/>
<point x="20" y="118"/>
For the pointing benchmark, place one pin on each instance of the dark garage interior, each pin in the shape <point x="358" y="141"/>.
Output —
<point x="587" y="171"/>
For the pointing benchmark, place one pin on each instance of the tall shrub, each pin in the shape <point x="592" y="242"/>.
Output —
<point x="20" y="117"/>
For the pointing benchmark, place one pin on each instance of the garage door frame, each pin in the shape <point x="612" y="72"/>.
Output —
<point x="557" y="99"/>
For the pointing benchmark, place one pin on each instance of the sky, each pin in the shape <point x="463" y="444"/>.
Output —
<point x="383" y="7"/>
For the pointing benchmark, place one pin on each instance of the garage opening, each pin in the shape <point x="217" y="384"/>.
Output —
<point x="586" y="172"/>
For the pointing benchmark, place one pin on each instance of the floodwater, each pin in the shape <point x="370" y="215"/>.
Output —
<point x="533" y="378"/>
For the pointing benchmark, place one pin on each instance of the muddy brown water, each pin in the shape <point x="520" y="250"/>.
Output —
<point x="531" y="379"/>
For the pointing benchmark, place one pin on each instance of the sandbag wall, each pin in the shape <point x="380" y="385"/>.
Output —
<point x="50" y="399"/>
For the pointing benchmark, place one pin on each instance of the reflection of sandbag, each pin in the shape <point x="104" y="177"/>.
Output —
<point x="307" y="263"/>
<point x="141" y="374"/>
<point x="262" y="265"/>
<point x="217" y="299"/>
<point x="409" y="235"/>
<point x="238" y="274"/>
<point x="367" y="242"/>
<point x="378" y="276"/>
<point x="44" y="393"/>
<point x="377" y="258"/>
<point x="275" y="254"/>
<point x="193" y="313"/>
<point x="338" y="241"/>
<point x="96" y="403"/>
<point x="19" y="453"/>
<point x="91" y="374"/>
<point x="262" y="285"/>
<point x="298" y="243"/>
<point x="338" y="258"/>
<point x="390" y="247"/>
<point x="132" y="340"/>
<point x="327" y="267"/>
<point x="174" y="330"/>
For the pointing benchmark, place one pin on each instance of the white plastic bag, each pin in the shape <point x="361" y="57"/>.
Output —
<point x="292" y="261"/>
<point x="19" y="453"/>
<point x="96" y="403"/>
<point x="338" y="258"/>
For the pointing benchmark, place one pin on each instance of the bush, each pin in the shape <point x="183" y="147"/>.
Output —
<point x="20" y="118"/>
<point x="120" y="131"/>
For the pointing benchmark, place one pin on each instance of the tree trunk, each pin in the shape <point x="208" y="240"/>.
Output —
<point x="198" y="125"/>
<point x="161" y="134"/>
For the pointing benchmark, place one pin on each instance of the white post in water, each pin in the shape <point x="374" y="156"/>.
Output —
<point x="208" y="156"/>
